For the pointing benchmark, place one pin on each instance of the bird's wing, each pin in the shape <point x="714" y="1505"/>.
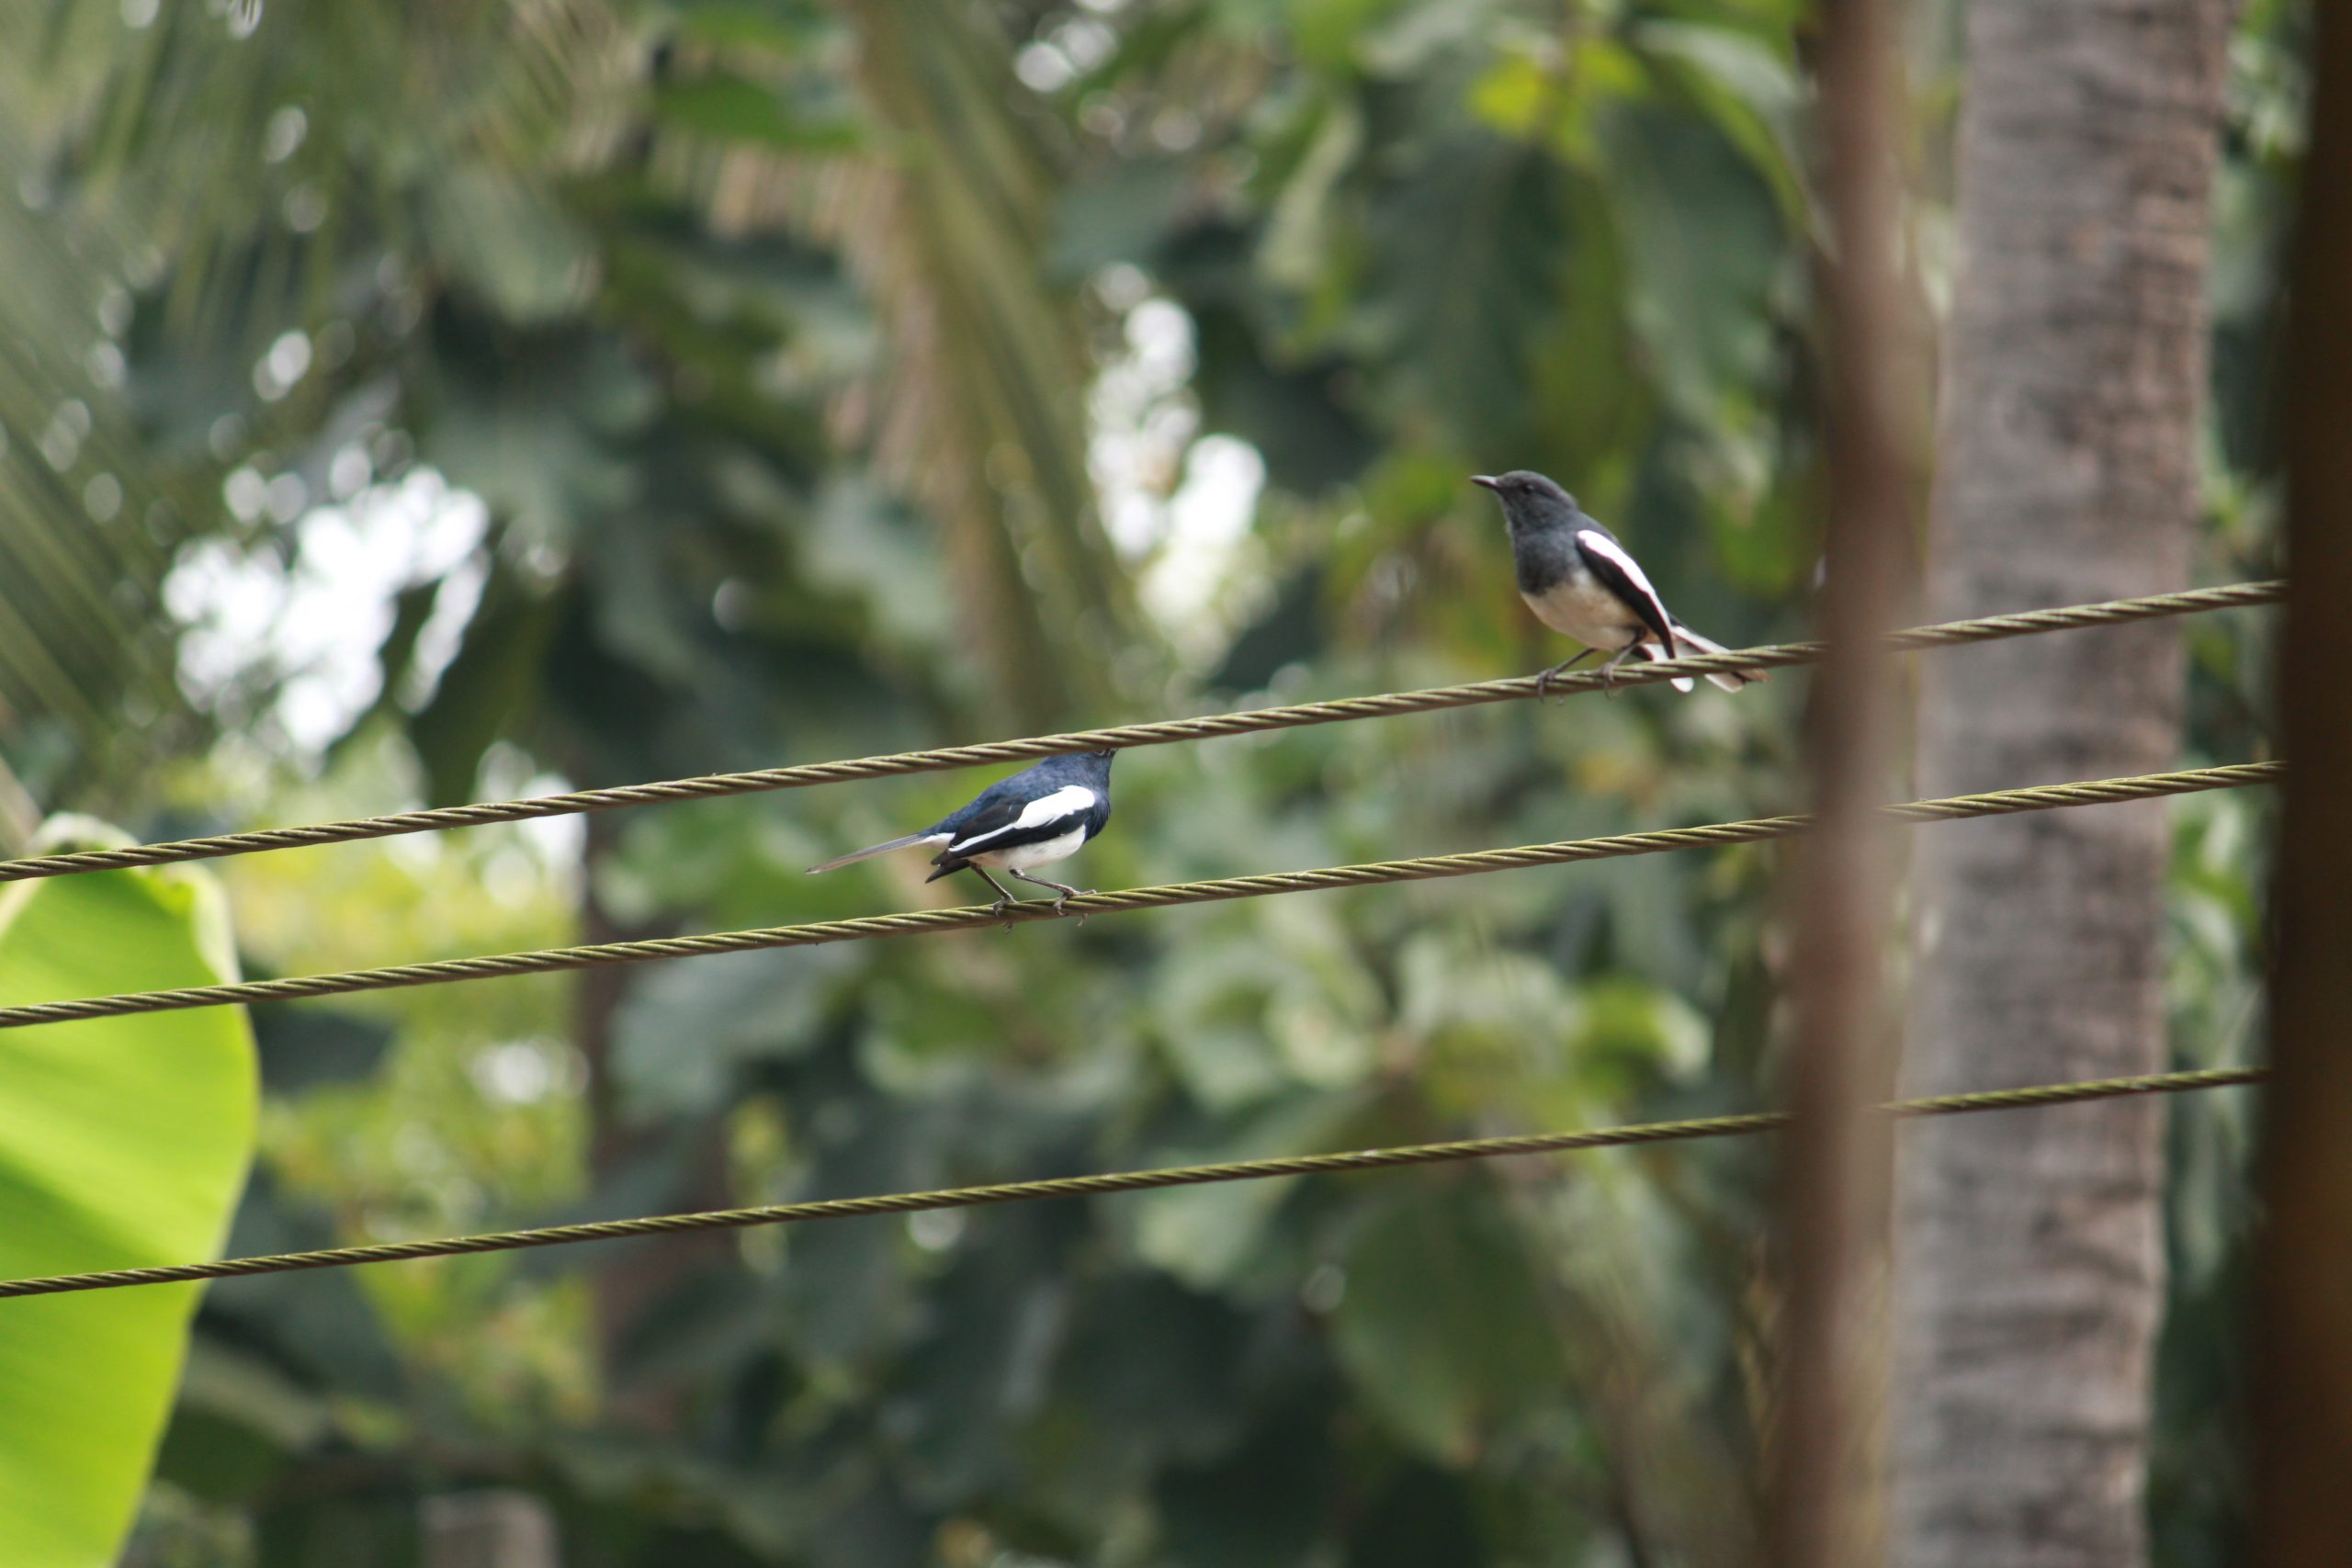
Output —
<point x="1011" y="823"/>
<point x="1624" y="576"/>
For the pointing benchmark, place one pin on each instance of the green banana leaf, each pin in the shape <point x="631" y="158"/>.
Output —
<point x="123" y="1142"/>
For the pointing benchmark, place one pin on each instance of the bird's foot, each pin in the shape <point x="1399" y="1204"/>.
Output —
<point x="1002" y="911"/>
<point x="1544" y="681"/>
<point x="1070" y="892"/>
<point x="1608" y="671"/>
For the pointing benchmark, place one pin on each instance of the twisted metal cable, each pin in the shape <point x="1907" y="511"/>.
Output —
<point x="1118" y="1182"/>
<point x="1987" y="629"/>
<point x="1999" y="803"/>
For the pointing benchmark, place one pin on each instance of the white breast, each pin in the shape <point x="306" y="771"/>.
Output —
<point x="1025" y="857"/>
<point x="1578" y="606"/>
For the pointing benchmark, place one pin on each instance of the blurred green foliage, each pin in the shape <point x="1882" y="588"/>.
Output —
<point x="763" y="380"/>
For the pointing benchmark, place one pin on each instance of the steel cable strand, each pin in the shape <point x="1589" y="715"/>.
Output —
<point x="446" y="971"/>
<point x="2023" y="1098"/>
<point x="1162" y="732"/>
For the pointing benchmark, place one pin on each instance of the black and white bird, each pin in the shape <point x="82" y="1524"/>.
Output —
<point x="1037" y="817"/>
<point x="1580" y="581"/>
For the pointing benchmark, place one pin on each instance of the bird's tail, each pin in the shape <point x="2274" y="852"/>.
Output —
<point x="1729" y="680"/>
<point x="872" y="849"/>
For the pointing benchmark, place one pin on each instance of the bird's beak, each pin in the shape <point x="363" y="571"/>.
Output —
<point x="1487" y="479"/>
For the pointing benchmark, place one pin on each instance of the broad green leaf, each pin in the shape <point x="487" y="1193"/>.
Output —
<point x="1750" y="94"/>
<point x="1441" y="1327"/>
<point x="1707" y="247"/>
<point x="1213" y="1237"/>
<point x="123" y="1142"/>
<point x="1464" y="251"/>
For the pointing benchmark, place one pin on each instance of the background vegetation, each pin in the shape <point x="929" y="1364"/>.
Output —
<point x="417" y="402"/>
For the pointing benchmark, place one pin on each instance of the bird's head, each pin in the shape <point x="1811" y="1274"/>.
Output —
<point x="1530" y="499"/>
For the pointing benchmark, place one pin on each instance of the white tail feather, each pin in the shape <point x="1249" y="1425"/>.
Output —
<point x="1656" y="653"/>
<point x="1731" y="681"/>
<point x="882" y="848"/>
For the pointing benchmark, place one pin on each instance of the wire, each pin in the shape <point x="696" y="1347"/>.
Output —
<point x="2030" y="1095"/>
<point x="1999" y="802"/>
<point x="1950" y="634"/>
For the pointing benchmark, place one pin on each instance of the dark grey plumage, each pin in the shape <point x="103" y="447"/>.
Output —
<point x="1581" y="581"/>
<point x="1038" y="816"/>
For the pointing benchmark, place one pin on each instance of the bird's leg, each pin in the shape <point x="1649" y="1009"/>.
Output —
<point x="1067" y="893"/>
<point x="1005" y="899"/>
<point x="1544" y="681"/>
<point x="1608" y="671"/>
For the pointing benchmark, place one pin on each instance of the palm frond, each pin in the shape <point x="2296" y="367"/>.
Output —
<point x="228" y="163"/>
<point x="977" y="408"/>
<point x="83" y="640"/>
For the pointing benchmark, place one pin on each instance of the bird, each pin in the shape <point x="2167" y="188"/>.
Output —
<point x="1037" y="817"/>
<point x="1581" y="581"/>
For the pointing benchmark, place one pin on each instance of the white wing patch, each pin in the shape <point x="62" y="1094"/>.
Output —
<point x="1067" y="801"/>
<point x="1608" y="548"/>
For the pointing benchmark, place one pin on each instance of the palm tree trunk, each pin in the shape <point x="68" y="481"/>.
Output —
<point x="2031" y="1264"/>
